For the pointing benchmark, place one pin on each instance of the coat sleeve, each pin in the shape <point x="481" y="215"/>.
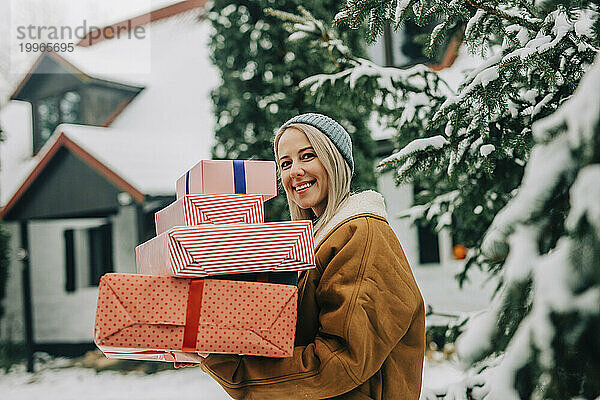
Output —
<point x="367" y="302"/>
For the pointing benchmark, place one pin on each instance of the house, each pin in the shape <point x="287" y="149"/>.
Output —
<point x="93" y="150"/>
<point x="107" y="149"/>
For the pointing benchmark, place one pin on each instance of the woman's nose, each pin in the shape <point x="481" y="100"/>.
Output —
<point x="297" y="170"/>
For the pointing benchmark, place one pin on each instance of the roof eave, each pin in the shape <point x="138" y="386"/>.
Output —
<point x="64" y="141"/>
<point x="141" y="20"/>
<point x="56" y="57"/>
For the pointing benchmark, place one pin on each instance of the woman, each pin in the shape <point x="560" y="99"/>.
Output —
<point x="360" y="330"/>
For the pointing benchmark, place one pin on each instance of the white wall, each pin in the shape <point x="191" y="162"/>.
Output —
<point x="398" y="199"/>
<point x="124" y="240"/>
<point x="60" y="316"/>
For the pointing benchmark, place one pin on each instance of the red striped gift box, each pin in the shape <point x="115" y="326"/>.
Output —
<point x="204" y="250"/>
<point x="196" y="209"/>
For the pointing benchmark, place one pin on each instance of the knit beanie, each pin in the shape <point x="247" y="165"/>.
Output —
<point x="334" y="131"/>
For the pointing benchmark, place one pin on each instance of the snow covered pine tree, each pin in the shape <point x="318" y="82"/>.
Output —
<point x="553" y="351"/>
<point x="260" y="73"/>
<point x="470" y="149"/>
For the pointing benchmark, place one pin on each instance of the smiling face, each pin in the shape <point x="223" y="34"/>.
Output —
<point x="303" y="176"/>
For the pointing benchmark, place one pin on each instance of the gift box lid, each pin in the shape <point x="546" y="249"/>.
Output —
<point x="229" y="176"/>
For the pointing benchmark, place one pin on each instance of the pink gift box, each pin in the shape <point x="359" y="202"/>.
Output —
<point x="196" y="209"/>
<point x="163" y="318"/>
<point x="213" y="249"/>
<point x="229" y="176"/>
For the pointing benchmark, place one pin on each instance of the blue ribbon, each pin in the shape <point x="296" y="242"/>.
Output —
<point x="239" y="177"/>
<point x="187" y="182"/>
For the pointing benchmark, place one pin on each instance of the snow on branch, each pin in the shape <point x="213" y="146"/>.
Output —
<point x="528" y="49"/>
<point x="584" y="195"/>
<point x="441" y="207"/>
<point x="414" y="77"/>
<point x="417" y="145"/>
<point x="551" y="161"/>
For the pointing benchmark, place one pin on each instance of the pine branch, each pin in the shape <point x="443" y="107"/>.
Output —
<point x="283" y="15"/>
<point x="436" y="36"/>
<point x="403" y="11"/>
<point x="514" y="19"/>
<point x="529" y="7"/>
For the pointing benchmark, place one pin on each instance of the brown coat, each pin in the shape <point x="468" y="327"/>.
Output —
<point x="360" y="331"/>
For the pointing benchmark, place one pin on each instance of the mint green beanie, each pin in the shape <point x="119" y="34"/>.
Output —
<point x="333" y="130"/>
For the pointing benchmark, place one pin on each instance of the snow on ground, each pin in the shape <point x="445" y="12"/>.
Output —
<point x="82" y="383"/>
<point x="182" y="384"/>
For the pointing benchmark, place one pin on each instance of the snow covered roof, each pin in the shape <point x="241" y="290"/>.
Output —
<point x="164" y="130"/>
<point x="149" y="162"/>
<point x="173" y="64"/>
<point x="138" y="163"/>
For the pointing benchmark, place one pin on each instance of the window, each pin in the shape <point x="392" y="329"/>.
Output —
<point x="100" y="241"/>
<point x="54" y="110"/>
<point x="88" y="256"/>
<point x="70" y="260"/>
<point x="47" y="116"/>
<point x="429" y="248"/>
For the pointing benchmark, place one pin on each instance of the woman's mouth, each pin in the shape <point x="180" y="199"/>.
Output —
<point x="303" y="186"/>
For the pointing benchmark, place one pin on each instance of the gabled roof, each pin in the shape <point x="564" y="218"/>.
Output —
<point x="98" y="63"/>
<point x="140" y="20"/>
<point x="48" y="62"/>
<point x="173" y="112"/>
<point x="35" y="69"/>
<point x="137" y="163"/>
<point x="51" y="148"/>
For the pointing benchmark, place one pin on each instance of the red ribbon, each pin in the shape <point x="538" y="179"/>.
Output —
<point x="192" y="317"/>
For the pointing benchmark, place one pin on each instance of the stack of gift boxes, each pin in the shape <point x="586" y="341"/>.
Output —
<point x="215" y="279"/>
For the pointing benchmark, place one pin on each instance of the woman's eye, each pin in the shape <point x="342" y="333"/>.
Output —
<point x="308" y="156"/>
<point x="285" y="164"/>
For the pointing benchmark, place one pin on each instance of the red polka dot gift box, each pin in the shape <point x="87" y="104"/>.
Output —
<point x="215" y="249"/>
<point x="229" y="176"/>
<point x="196" y="209"/>
<point x="169" y="319"/>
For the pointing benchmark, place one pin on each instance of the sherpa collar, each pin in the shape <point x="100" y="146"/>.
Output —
<point x="367" y="202"/>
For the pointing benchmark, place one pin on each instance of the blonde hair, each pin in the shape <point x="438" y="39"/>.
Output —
<point x="338" y="172"/>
